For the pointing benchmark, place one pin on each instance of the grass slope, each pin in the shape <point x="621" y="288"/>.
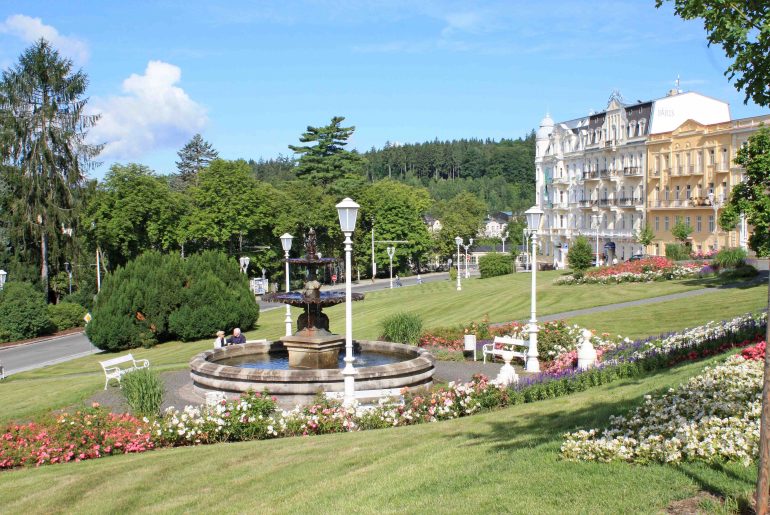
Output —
<point x="503" y="461"/>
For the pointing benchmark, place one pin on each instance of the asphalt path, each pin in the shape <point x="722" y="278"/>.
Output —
<point x="30" y="356"/>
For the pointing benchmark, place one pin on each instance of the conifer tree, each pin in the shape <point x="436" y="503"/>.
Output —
<point x="193" y="157"/>
<point x="327" y="160"/>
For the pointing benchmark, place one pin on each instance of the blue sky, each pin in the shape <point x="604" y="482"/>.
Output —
<point x="250" y="76"/>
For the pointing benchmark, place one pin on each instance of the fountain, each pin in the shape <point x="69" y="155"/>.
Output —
<point x="296" y="367"/>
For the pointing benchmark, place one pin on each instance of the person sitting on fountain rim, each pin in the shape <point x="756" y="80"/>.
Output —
<point x="220" y="341"/>
<point x="237" y="337"/>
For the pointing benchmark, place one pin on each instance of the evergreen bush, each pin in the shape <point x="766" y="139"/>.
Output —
<point x="402" y="328"/>
<point x="23" y="312"/>
<point x="66" y="315"/>
<point x="580" y="255"/>
<point x="494" y="264"/>
<point x="143" y="391"/>
<point x="453" y="273"/>
<point x="156" y="298"/>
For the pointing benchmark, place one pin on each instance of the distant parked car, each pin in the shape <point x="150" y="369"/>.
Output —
<point x="637" y="257"/>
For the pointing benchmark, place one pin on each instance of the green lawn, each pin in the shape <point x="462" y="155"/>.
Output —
<point x="503" y="461"/>
<point x="503" y="299"/>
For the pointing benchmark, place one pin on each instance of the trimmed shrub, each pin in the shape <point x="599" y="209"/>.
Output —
<point x="677" y="252"/>
<point x="453" y="273"/>
<point x="731" y="258"/>
<point x="23" y="312"/>
<point x="580" y="255"/>
<point x="66" y="315"/>
<point x="143" y="391"/>
<point x="402" y="328"/>
<point x="740" y="272"/>
<point x="156" y="298"/>
<point x="494" y="264"/>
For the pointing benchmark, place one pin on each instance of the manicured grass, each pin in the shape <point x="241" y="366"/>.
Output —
<point x="676" y="315"/>
<point x="503" y="461"/>
<point x="502" y="298"/>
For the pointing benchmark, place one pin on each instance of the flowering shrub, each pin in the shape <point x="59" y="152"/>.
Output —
<point x="712" y="417"/>
<point x="643" y="270"/>
<point x="86" y="434"/>
<point x="703" y="254"/>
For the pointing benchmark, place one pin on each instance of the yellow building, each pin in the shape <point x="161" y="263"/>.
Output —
<point x="690" y="173"/>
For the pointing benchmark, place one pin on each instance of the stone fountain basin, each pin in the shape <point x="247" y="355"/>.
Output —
<point x="293" y="387"/>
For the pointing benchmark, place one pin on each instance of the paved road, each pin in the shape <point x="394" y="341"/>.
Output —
<point x="36" y="355"/>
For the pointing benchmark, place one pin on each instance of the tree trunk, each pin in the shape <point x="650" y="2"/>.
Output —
<point x="763" y="479"/>
<point x="44" y="261"/>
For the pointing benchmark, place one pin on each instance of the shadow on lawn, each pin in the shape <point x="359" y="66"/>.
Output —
<point x="727" y="284"/>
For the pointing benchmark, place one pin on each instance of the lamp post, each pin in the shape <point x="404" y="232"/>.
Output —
<point x="244" y="263"/>
<point x="596" y="219"/>
<point x="470" y="244"/>
<point x="68" y="268"/>
<point x="391" y="251"/>
<point x="526" y="250"/>
<point x="347" y="210"/>
<point x="715" y="204"/>
<point x="3" y="277"/>
<point x="458" y="241"/>
<point x="286" y="240"/>
<point x="504" y="237"/>
<point x="533" y="223"/>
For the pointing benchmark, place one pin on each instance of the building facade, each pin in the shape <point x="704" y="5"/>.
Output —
<point x="592" y="172"/>
<point x="690" y="176"/>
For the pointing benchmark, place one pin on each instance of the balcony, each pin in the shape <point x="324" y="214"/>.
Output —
<point x="628" y="202"/>
<point x="590" y="175"/>
<point x="561" y="206"/>
<point x="605" y="174"/>
<point x="605" y="202"/>
<point x="632" y="171"/>
<point x="668" y="204"/>
<point x="586" y="203"/>
<point x="561" y="180"/>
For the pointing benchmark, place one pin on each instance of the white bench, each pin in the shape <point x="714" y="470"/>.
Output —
<point x="505" y="342"/>
<point x="113" y="371"/>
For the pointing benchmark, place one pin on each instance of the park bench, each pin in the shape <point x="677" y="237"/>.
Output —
<point x="501" y="343"/>
<point x="112" y="370"/>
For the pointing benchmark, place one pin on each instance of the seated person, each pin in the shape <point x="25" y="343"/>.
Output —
<point x="220" y="341"/>
<point x="237" y="337"/>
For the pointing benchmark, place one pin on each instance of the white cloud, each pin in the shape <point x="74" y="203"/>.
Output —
<point x="152" y="113"/>
<point x="30" y="29"/>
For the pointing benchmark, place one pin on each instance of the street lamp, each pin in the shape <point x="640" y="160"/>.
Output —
<point x="68" y="268"/>
<point x="715" y="204"/>
<point x="526" y="250"/>
<point x="391" y="251"/>
<point x="244" y="263"/>
<point x="596" y="219"/>
<point x="470" y="244"/>
<point x="3" y="276"/>
<point x="347" y="210"/>
<point x="286" y="240"/>
<point x="533" y="223"/>
<point x="458" y="241"/>
<point x="504" y="237"/>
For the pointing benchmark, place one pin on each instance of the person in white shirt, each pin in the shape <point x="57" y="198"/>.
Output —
<point x="220" y="341"/>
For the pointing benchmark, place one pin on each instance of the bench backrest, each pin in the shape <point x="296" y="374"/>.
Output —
<point x="117" y="361"/>
<point x="507" y="340"/>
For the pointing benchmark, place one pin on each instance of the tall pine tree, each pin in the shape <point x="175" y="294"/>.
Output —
<point x="42" y="140"/>
<point x="327" y="160"/>
<point x="193" y="157"/>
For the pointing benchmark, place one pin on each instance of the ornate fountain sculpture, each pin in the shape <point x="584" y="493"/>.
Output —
<point x="312" y="346"/>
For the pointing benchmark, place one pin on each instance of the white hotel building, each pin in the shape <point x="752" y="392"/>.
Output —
<point x="593" y="169"/>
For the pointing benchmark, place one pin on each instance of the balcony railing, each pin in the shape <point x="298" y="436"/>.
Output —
<point x="605" y="202"/>
<point x="587" y="203"/>
<point x="591" y="174"/>
<point x="634" y="171"/>
<point x="668" y="203"/>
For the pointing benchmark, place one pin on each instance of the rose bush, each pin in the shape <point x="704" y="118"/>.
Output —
<point x="643" y="270"/>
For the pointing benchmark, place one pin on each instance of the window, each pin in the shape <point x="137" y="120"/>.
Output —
<point x="725" y="160"/>
<point x="687" y="221"/>
<point x="711" y="223"/>
<point x="688" y="193"/>
<point x="712" y="156"/>
<point x="677" y="192"/>
<point x="665" y="223"/>
<point x="667" y="192"/>
<point x="698" y="223"/>
<point x="657" y="223"/>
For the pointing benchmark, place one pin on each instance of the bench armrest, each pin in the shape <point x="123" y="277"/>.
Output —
<point x="112" y="370"/>
<point x="144" y="363"/>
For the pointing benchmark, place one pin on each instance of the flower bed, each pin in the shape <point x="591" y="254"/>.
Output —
<point x="643" y="270"/>
<point x="93" y="433"/>
<point x="712" y="417"/>
<point x="86" y="434"/>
